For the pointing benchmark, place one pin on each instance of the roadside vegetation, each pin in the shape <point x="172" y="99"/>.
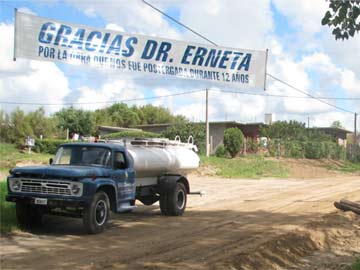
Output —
<point x="251" y="166"/>
<point x="8" y="220"/>
<point x="10" y="156"/>
<point x="346" y="167"/>
<point x="17" y="125"/>
<point x="293" y="140"/>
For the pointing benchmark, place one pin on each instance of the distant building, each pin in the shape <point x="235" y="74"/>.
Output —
<point x="250" y="130"/>
<point x="339" y="135"/>
<point x="216" y="129"/>
<point x="350" y="138"/>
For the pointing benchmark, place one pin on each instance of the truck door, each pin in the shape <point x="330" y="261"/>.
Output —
<point x="124" y="177"/>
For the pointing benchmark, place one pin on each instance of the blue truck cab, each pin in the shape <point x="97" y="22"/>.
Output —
<point x="89" y="180"/>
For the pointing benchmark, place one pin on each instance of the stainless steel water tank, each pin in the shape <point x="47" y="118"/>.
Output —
<point x="152" y="161"/>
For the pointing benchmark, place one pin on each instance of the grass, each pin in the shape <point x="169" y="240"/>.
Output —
<point x="356" y="265"/>
<point x="7" y="211"/>
<point x="346" y="166"/>
<point x="251" y="166"/>
<point x="10" y="156"/>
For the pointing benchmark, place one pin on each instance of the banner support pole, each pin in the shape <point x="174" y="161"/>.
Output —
<point x="14" y="56"/>
<point x="266" y="59"/>
<point x="207" y="123"/>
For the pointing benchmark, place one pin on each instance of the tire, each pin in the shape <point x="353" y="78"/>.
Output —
<point x="96" y="214"/>
<point x="29" y="215"/>
<point x="173" y="203"/>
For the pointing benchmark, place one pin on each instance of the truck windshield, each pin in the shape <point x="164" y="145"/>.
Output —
<point x="83" y="156"/>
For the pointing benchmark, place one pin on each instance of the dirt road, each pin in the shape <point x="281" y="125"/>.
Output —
<point x="239" y="224"/>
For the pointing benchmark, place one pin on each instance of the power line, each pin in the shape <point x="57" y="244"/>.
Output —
<point x="281" y="96"/>
<point x="180" y="23"/>
<point x="164" y="96"/>
<point x="213" y="43"/>
<point x="99" y="102"/>
<point x="307" y="94"/>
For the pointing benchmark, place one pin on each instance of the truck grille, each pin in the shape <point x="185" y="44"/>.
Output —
<point x="46" y="187"/>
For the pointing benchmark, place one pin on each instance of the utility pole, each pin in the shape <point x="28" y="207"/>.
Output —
<point x="207" y="123"/>
<point x="308" y="122"/>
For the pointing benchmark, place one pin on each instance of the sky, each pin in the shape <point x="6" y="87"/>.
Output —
<point x="302" y="52"/>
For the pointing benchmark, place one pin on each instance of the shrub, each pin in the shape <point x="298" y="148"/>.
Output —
<point x="131" y="134"/>
<point x="339" y="152"/>
<point x="233" y="141"/>
<point x="273" y="146"/>
<point x="294" y="149"/>
<point x="220" y="151"/>
<point x="48" y="145"/>
<point x="315" y="150"/>
<point x="252" y="145"/>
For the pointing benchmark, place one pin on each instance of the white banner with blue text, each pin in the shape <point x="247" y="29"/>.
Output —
<point x="51" y="40"/>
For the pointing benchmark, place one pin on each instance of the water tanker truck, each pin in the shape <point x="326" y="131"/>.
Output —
<point x="89" y="180"/>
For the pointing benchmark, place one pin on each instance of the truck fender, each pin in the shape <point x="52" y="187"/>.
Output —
<point x="110" y="189"/>
<point x="166" y="183"/>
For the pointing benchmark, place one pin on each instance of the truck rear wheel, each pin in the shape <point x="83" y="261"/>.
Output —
<point x="173" y="203"/>
<point x="97" y="213"/>
<point x="28" y="215"/>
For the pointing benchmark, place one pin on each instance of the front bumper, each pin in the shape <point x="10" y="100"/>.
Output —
<point x="51" y="202"/>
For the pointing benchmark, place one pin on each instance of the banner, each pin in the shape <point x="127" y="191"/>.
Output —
<point x="50" y="40"/>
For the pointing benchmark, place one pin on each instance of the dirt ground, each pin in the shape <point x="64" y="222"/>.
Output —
<point x="239" y="224"/>
<point x="311" y="168"/>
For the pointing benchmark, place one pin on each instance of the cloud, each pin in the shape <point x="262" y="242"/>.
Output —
<point x="239" y="24"/>
<point x="109" y="93"/>
<point x="304" y="15"/>
<point x="136" y="17"/>
<point x="28" y="81"/>
<point x="115" y="27"/>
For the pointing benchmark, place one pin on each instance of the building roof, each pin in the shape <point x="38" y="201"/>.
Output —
<point x="338" y="132"/>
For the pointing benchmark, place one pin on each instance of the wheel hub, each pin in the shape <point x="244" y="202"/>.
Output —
<point x="180" y="199"/>
<point x="100" y="212"/>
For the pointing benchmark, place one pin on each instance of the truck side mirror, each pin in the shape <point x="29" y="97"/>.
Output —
<point x="50" y="161"/>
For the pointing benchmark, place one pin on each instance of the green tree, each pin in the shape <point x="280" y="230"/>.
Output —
<point x="76" y="120"/>
<point x="122" y="116"/>
<point x="156" y="115"/>
<point x="40" y="124"/>
<point x="184" y="130"/>
<point x="284" y="130"/>
<point x="5" y="126"/>
<point x="159" y="115"/>
<point x="233" y="141"/>
<point x="337" y="124"/>
<point x="19" y="127"/>
<point x="102" y="118"/>
<point x="343" y="17"/>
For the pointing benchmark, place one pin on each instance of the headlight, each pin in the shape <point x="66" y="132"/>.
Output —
<point x="15" y="185"/>
<point x="76" y="189"/>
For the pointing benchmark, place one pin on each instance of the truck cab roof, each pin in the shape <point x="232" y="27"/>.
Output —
<point x="112" y="146"/>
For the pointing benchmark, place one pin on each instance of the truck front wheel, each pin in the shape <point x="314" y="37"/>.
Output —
<point x="28" y="215"/>
<point x="173" y="203"/>
<point x="97" y="213"/>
